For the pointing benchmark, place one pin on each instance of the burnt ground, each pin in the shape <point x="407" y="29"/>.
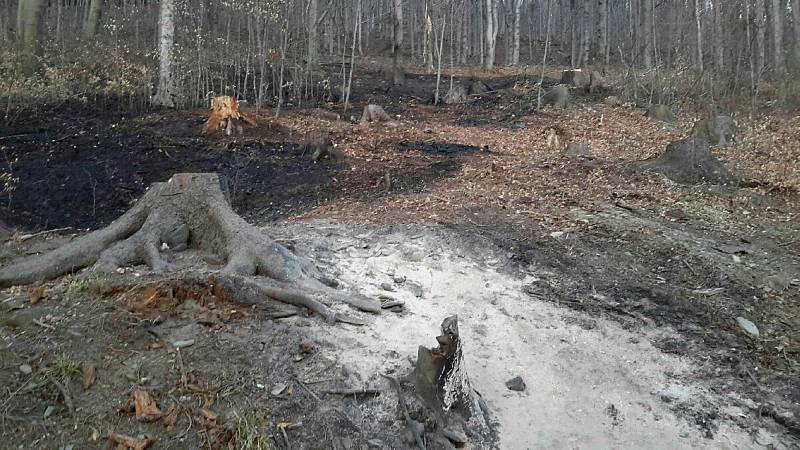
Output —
<point x="608" y="242"/>
<point x="84" y="175"/>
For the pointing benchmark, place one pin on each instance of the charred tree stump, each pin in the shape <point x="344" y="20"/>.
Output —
<point x="226" y="115"/>
<point x="690" y="161"/>
<point x="442" y="381"/>
<point x="191" y="210"/>
<point x="374" y="113"/>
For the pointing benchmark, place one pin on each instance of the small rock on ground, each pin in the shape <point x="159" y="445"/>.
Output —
<point x="455" y="435"/>
<point x="748" y="327"/>
<point x="516" y="384"/>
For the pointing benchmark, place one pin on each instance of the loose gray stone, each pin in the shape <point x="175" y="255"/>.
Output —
<point x="749" y="327"/>
<point x="516" y="384"/>
<point x="182" y="344"/>
<point x="49" y="411"/>
<point x="26" y="369"/>
<point x="455" y="435"/>
<point x="578" y="149"/>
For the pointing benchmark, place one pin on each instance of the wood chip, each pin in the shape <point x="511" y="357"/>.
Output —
<point x="208" y="414"/>
<point x="36" y="294"/>
<point x="130" y="443"/>
<point x="89" y="376"/>
<point x="171" y="417"/>
<point x="146" y="408"/>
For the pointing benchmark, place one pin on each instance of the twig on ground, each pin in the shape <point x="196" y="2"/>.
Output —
<point x="690" y="267"/>
<point x="403" y="406"/>
<point x="180" y="367"/>
<point x="67" y="398"/>
<point x="43" y="325"/>
<point x="302" y="385"/>
<point x="352" y="391"/>
<point x="26" y="237"/>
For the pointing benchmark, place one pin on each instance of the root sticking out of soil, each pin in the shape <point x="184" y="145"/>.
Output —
<point x="191" y="209"/>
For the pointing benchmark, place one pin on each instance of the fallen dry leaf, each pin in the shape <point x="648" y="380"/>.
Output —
<point x="36" y="294"/>
<point x="130" y="443"/>
<point x="208" y="414"/>
<point x="89" y="376"/>
<point x="146" y="408"/>
<point x="171" y="417"/>
<point x="306" y="346"/>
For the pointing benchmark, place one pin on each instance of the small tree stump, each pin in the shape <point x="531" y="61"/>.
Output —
<point x="574" y="77"/>
<point x="587" y="80"/>
<point x="662" y="113"/>
<point x="478" y="87"/>
<point x="226" y="115"/>
<point x="374" y="113"/>
<point x="558" y="96"/>
<point x="613" y="101"/>
<point x="457" y="94"/>
<point x="720" y="131"/>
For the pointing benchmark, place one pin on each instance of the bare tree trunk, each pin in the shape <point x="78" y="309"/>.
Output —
<point x="439" y="62"/>
<point x="92" y="19"/>
<point x="699" y="33"/>
<point x="586" y="38"/>
<point x="313" y="34"/>
<point x="352" y="59"/>
<point x="398" y="76"/>
<point x="462" y="57"/>
<point x="490" y="33"/>
<point x="427" y="42"/>
<point x="29" y="24"/>
<point x="647" y="33"/>
<point x="21" y="21"/>
<point x="517" y="20"/>
<point x="602" y="31"/>
<point x="776" y="14"/>
<point x="573" y="32"/>
<point x="166" y="39"/>
<point x="796" y="29"/>
<point x="719" y="49"/>
<point x="760" y="23"/>
<point x="544" y="57"/>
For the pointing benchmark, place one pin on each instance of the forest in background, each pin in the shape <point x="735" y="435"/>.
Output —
<point x="736" y="54"/>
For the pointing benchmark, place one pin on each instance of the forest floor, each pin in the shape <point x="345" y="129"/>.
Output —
<point x="612" y="292"/>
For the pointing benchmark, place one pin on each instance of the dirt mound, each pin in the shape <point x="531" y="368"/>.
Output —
<point x="690" y="161"/>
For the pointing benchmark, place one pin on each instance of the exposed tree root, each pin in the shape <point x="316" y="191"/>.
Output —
<point x="191" y="210"/>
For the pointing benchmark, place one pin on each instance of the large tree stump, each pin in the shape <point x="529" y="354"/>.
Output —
<point x="192" y="211"/>
<point x="690" y="161"/>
